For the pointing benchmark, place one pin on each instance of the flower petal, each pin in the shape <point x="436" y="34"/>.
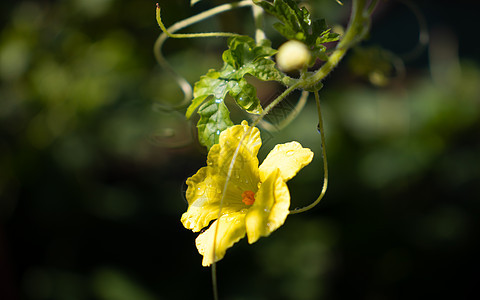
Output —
<point x="206" y="187"/>
<point x="289" y="158"/>
<point x="231" y="228"/>
<point x="270" y="208"/>
<point x="244" y="173"/>
<point x="204" y="194"/>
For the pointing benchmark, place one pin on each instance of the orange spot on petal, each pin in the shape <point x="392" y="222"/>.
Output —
<point x="248" y="197"/>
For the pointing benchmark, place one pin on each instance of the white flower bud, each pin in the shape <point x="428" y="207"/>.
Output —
<point x="292" y="55"/>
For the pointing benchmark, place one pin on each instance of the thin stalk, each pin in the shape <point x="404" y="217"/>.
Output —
<point x="190" y="35"/>
<point x="275" y="102"/>
<point x="214" y="278"/>
<point x="324" y="158"/>
<point x="290" y="117"/>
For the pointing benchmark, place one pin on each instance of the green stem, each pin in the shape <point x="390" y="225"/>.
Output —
<point x="290" y="117"/>
<point x="324" y="158"/>
<point x="277" y="100"/>
<point x="191" y="35"/>
<point x="214" y="277"/>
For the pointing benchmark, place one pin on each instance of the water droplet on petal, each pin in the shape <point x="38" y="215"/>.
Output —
<point x="219" y="190"/>
<point x="290" y="152"/>
<point x="200" y="191"/>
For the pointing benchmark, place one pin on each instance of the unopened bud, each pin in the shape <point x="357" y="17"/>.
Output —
<point x="293" y="55"/>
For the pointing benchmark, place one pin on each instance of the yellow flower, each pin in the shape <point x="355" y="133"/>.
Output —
<point x="256" y="199"/>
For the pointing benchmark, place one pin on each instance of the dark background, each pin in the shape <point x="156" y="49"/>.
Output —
<point x="92" y="171"/>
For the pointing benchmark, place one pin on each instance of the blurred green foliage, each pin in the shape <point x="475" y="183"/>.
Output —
<point x="92" y="169"/>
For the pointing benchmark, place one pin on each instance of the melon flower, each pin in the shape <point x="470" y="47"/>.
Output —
<point x="255" y="200"/>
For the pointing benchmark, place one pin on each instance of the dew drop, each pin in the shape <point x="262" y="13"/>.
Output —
<point x="318" y="128"/>
<point x="200" y="191"/>
<point x="219" y="190"/>
<point x="218" y="100"/>
<point x="290" y="152"/>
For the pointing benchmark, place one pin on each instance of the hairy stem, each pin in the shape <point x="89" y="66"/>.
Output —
<point x="276" y="101"/>
<point x="290" y="117"/>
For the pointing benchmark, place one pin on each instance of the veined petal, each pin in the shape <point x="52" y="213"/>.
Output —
<point x="204" y="194"/>
<point x="231" y="228"/>
<point x="270" y="208"/>
<point x="207" y="186"/>
<point x="289" y="158"/>
<point x="244" y="173"/>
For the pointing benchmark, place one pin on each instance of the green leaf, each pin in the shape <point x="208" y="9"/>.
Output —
<point x="208" y="85"/>
<point x="296" y="24"/>
<point x="245" y="95"/>
<point x="243" y="57"/>
<point x="214" y="118"/>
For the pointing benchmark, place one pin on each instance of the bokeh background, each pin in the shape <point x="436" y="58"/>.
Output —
<point x="92" y="165"/>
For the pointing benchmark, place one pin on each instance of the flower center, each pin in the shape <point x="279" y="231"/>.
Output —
<point x="248" y="197"/>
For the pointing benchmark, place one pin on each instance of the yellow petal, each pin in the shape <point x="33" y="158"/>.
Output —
<point x="270" y="208"/>
<point x="204" y="194"/>
<point x="289" y="158"/>
<point x="244" y="173"/>
<point x="231" y="228"/>
<point x="205" y="189"/>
